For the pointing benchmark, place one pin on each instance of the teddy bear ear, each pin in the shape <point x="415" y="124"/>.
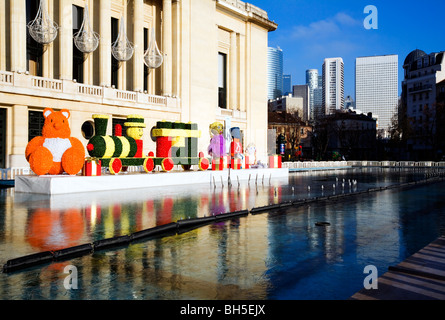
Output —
<point x="66" y="113"/>
<point x="47" y="112"/>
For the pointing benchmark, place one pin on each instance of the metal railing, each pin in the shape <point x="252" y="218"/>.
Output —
<point x="365" y="163"/>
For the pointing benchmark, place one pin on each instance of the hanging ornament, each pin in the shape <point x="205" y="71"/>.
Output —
<point x="153" y="57"/>
<point x="122" y="49"/>
<point x="86" y="40"/>
<point x="42" y="29"/>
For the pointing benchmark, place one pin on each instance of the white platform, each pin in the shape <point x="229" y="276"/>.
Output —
<point x="63" y="184"/>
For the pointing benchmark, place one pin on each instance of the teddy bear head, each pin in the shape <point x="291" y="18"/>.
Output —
<point x="56" y="124"/>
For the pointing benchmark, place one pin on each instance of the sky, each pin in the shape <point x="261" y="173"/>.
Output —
<point x="310" y="31"/>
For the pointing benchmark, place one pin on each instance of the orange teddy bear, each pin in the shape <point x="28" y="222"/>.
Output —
<point x="55" y="151"/>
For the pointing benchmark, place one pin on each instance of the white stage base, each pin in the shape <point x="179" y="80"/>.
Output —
<point x="63" y="184"/>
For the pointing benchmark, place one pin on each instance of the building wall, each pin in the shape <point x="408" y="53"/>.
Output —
<point x="333" y="85"/>
<point x="421" y="76"/>
<point x="184" y="88"/>
<point x="303" y="91"/>
<point x="275" y="73"/>
<point x="376" y="87"/>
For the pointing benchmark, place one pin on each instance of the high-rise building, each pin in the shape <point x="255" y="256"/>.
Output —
<point x="376" y="87"/>
<point x="274" y="73"/>
<point x="333" y="85"/>
<point x="318" y="98"/>
<point x="287" y="84"/>
<point x="302" y="91"/>
<point x="312" y="82"/>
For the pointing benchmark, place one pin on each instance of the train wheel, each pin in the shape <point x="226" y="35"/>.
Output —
<point x="115" y="165"/>
<point x="149" y="165"/>
<point x="203" y="164"/>
<point x="167" y="164"/>
<point x="186" y="167"/>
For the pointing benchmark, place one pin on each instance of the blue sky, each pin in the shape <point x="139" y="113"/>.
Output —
<point x="310" y="31"/>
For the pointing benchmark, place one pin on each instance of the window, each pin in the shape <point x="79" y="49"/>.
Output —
<point x="77" y="54"/>
<point x="222" y="80"/>
<point x="146" y="71"/>
<point x="114" y="62"/>
<point x="34" y="50"/>
<point x="36" y="121"/>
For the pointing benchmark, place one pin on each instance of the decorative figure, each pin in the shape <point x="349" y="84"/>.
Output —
<point x="236" y="148"/>
<point x="55" y="151"/>
<point x="86" y="40"/>
<point x="153" y="57"/>
<point x="42" y="29"/>
<point x="135" y="129"/>
<point x="176" y="144"/>
<point x="122" y="49"/>
<point x="217" y="145"/>
<point x="250" y="155"/>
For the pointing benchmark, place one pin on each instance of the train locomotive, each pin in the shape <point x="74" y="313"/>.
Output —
<point x="176" y="144"/>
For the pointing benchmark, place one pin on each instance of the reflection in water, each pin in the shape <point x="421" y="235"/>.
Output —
<point x="281" y="255"/>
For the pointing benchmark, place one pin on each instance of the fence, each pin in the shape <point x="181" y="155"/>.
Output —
<point x="10" y="173"/>
<point x="384" y="164"/>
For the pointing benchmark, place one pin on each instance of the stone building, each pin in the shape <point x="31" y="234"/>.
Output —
<point x="214" y="68"/>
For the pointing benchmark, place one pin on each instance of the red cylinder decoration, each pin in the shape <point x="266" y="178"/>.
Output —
<point x="163" y="147"/>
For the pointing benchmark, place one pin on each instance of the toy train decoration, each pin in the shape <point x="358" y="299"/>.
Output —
<point x="176" y="144"/>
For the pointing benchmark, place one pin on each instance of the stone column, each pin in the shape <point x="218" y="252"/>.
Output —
<point x="138" y="32"/>
<point x="105" y="43"/>
<point x="19" y="136"/>
<point x="2" y="37"/>
<point x="176" y="47"/>
<point x="167" y="47"/>
<point x="233" y="56"/>
<point x="48" y="49"/>
<point x="18" y="35"/>
<point x="66" y="39"/>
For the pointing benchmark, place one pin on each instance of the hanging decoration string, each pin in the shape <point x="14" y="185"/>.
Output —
<point x="86" y="40"/>
<point x="42" y="29"/>
<point x="122" y="49"/>
<point x="153" y="57"/>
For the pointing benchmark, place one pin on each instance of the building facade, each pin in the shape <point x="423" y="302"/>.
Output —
<point x="312" y="82"/>
<point x="214" y="68"/>
<point x="333" y="85"/>
<point x="288" y="104"/>
<point x="376" y="87"/>
<point x="303" y="91"/>
<point x="274" y="73"/>
<point x="422" y="73"/>
<point x="287" y="84"/>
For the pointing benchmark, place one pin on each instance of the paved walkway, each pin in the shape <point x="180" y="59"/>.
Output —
<point x="419" y="277"/>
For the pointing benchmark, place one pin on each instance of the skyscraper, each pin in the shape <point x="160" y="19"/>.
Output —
<point x="274" y="73"/>
<point x="333" y="85"/>
<point x="376" y="87"/>
<point x="287" y="84"/>
<point x="318" y="98"/>
<point x="312" y="82"/>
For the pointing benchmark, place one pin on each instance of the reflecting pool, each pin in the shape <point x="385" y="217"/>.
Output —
<point x="272" y="255"/>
